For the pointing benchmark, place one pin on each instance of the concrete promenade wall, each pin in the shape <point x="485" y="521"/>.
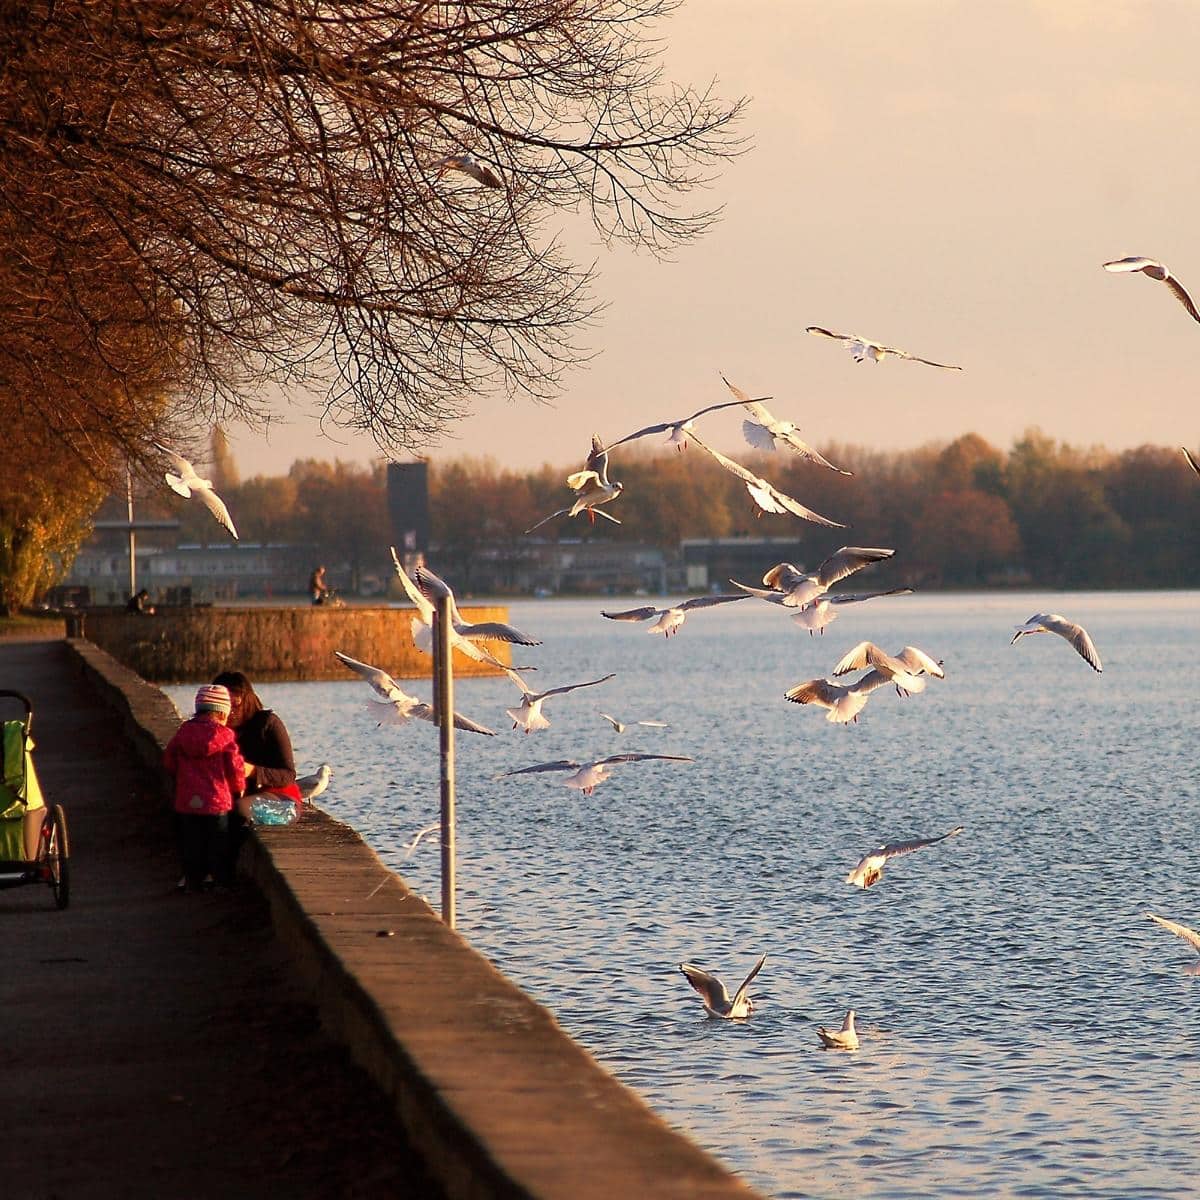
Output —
<point x="177" y="645"/>
<point x="495" y="1097"/>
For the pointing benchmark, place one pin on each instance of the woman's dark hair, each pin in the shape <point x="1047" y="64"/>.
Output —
<point x="238" y="684"/>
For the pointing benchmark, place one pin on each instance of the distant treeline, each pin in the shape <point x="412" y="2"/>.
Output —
<point x="961" y="514"/>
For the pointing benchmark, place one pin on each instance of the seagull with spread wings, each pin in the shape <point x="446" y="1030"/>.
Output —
<point x="845" y="1038"/>
<point x="862" y="348"/>
<point x="1075" y="634"/>
<point x="468" y="164"/>
<point x="909" y="670"/>
<point x="671" y="618"/>
<point x="764" y="431"/>
<point x="397" y="706"/>
<point x="621" y="726"/>
<point x="186" y="483"/>
<point x="432" y="588"/>
<point x="677" y="431"/>
<point x="587" y="776"/>
<point x="766" y="496"/>
<point x="794" y="588"/>
<point x="822" y="611"/>
<point x="528" y="714"/>
<point x="1155" y="270"/>
<point x="591" y="486"/>
<point x="844" y="701"/>
<point x="716" y="999"/>
<point x="869" y="870"/>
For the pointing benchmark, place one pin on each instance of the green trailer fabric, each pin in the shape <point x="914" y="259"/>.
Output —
<point x="19" y="791"/>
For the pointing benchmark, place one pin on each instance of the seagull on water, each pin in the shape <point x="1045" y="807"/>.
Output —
<point x="470" y="165"/>
<point x="312" y="786"/>
<point x="820" y="612"/>
<point x="1075" y="634"/>
<point x="844" y="701"/>
<point x="765" y="495"/>
<point x="432" y="588"/>
<point x="870" y="867"/>
<point x="592" y="488"/>
<point x="621" y="726"/>
<point x="187" y="483"/>
<point x="669" y="619"/>
<point x="716" y="999"/>
<point x="1156" y="270"/>
<point x="587" y="776"/>
<point x="845" y="1038"/>
<point x="788" y="585"/>
<point x="528" y="715"/>
<point x="863" y="348"/>
<point x="399" y="705"/>
<point x="766" y="432"/>
<point x="908" y="670"/>
<point x="1189" y="935"/>
<point x="677" y="430"/>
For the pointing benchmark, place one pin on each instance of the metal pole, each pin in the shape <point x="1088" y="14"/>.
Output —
<point x="132" y="535"/>
<point x="444" y="711"/>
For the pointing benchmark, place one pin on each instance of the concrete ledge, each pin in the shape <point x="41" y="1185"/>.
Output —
<point x="495" y="1097"/>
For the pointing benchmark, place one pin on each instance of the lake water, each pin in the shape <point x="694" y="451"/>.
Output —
<point x="1026" y="1031"/>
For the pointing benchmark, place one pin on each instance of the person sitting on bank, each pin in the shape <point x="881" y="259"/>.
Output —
<point x="139" y="602"/>
<point x="317" y="586"/>
<point x="272" y="797"/>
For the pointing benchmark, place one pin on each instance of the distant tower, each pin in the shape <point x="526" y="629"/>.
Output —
<point x="408" y="508"/>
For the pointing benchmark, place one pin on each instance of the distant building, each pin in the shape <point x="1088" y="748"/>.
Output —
<point x="408" y="508"/>
<point x="710" y="563"/>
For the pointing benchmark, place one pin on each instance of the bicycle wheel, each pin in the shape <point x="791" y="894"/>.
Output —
<point x="56" y="854"/>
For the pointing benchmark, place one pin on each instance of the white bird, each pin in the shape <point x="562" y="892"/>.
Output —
<point x="587" y="776"/>
<point x="592" y="488"/>
<point x="528" y="715"/>
<point x="399" y="705"/>
<point x="432" y="587"/>
<point x="1189" y="935"/>
<point x="669" y="619"/>
<point x="312" y="786"/>
<point x="621" y="726"/>
<point x="422" y="626"/>
<point x="794" y="588"/>
<point x="470" y="165"/>
<point x="1191" y="462"/>
<point x="862" y="348"/>
<point x="765" y="495"/>
<point x="870" y="867"/>
<point x="1075" y="634"/>
<point x="1159" y="271"/>
<point x="677" y="430"/>
<point x="908" y="670"/>
<point x="845" y="1038"/>
<point x="411" y="845"/>
<point x="765" y="431"/>
<point x="844" y="701"/>
<point x="821" y="612"/>
<point x="716" y="999"/>
<point x="187" y="483"/>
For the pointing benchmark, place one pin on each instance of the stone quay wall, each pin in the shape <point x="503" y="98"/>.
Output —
<point x="499" y="1102"/>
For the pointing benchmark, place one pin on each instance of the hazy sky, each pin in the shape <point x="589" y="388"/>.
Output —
<point x="943" y="177"/>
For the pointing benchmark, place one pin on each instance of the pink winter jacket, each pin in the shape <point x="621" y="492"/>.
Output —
<point x="208" y="767"/>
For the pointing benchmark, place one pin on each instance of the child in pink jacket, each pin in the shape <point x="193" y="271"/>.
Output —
<point x="209" y="774"/>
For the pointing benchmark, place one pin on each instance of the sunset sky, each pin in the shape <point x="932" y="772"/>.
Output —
<point x="943" y="177"/>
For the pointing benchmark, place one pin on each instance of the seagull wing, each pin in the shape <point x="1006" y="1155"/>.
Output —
<point x="895" y="849"/>
<point x="815" y="691"/>
<point x="1076" y="635"/>
<point x="1136" y="263"/>
<point x="740" y="994"/>
<point x="806" y="452"/>
<point x="1189" y="935"/>
<point x="918" y="660"/>
<point x="758" y="435"/>
<point x="865" y="654"/>
<point x="1191" y="462"/>
<point x="817" y="331"/>
<point x="570" y="687"/>
<point x="917" y="358"/>
<point x="1181" y="295"/>
<point x="771" y="594"/>
<point x="662" y="427"/>
<point x="785" y="577"/>
<point x="416" y="596"/>
<point x="846" y="561"/>
<point x="631" y="614"/>
<point x="496" y="631"/>
<point x="598" y="460"/>
<point x="707" y="601"/>
<point x="216" y="506"/>
<point x="858" y="597"/>
<point x="634" y="757"/>
<point x="561" y="764"/>
<point x="380" y="681"/>
<point x="181" y="464"/>
<point x="561" y="512"/>
<point x="712" y="990"/>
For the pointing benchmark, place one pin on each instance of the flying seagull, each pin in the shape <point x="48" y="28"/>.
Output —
<point x="863" y="348"/>
<point x="187" y="483"/>
<point x="401" y="707"/>
<point x="470" y="165"/>
<point x="821" y="611"/>
<point x="716" y="999"/>
<point x="1075" y="634"/>
<point x="528" y="715"/>
<point x="1189" y="935"/>
<point x="1191" y="462"/>
<point x="411" y="845"/>
<point x="765" y="495"/>
<point x="840" y="1039"/>
<point x="793" y="588"/>
<point x="432" y="588"/>
<point x="592" y="488"/>
<point x="1159" y="271"/>
<point x="587" y="776"/>
<point x="669" y="619"/>
<point x="621" y="726"/>
<point x="312" y="786"/>
<point x="908" y="670"/>
<point x="870" y="866"/>
<point x="677" y="430"/>
<point x="844" y="701"/>
<point x="765" y="431"/>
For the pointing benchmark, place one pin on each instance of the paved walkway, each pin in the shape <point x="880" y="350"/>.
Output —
<point x="154" y="1044"/>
